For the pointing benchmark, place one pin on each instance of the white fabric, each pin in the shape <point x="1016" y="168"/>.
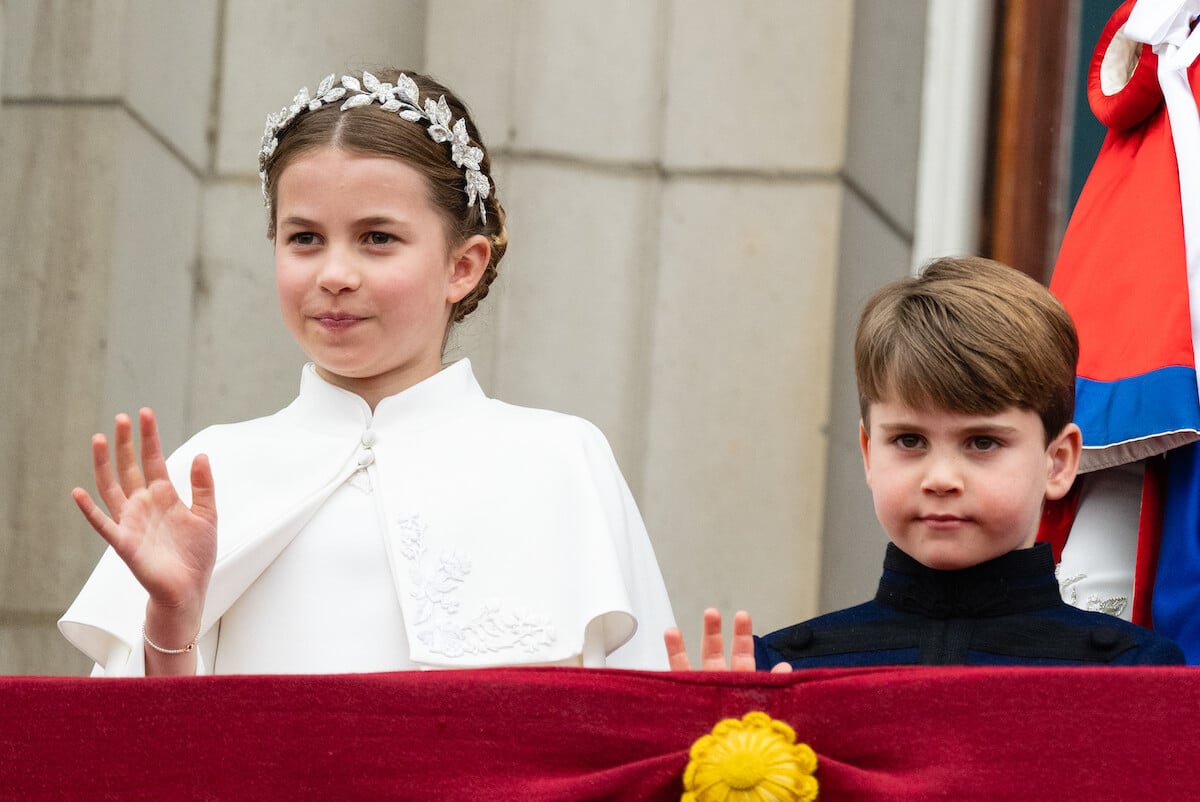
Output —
<point x="509" y="536"/>
<point x="331" y="586"/>
<point x="1098" y="560"/>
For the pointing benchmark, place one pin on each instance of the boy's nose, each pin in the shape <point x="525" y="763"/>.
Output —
<point x="942" y="476"/>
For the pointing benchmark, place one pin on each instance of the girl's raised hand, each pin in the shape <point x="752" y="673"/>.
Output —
<point x="169" y="547"/>
<point x="712" y="647"/>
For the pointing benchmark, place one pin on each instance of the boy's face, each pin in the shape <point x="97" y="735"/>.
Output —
<point x="953" y="490"/>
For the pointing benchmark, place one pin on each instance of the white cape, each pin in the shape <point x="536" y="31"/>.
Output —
<point x="510" y="532"/>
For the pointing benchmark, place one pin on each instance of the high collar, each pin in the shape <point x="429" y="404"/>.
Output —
<point x="435" y="400"/>
<point x="1019" y="581"/>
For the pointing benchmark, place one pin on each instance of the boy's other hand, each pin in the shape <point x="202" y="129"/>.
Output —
<point x="712" y="647"/>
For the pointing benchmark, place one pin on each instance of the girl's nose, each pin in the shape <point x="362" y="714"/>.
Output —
<point x="338" y="273"/>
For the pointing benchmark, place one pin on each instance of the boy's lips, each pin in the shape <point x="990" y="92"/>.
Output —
<point x="943" y="520"/>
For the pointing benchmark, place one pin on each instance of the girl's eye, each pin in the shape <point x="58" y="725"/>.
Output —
<point x="379" y="238"/>
<point x="303" y="238"/>
<point x="908" y="441"/>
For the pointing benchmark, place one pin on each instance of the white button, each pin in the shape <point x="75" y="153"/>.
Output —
<point x="369" y="437"/>
<point x="366" y="457"/>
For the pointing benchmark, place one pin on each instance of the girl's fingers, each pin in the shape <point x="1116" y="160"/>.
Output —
<point x="106" y="483"/>
<point x="204" y="497"/>
<point x="103" y="525"/>
<point x="128" y="470"/>
<point x="153" y="463"/>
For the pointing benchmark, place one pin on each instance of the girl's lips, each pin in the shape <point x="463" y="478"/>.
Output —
<point x="337" y="322"/>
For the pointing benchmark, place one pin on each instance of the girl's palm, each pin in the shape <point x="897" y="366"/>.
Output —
<point x="169" y="547"/>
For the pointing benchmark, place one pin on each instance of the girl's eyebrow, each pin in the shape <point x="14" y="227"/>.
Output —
<point x="377" y="220"/>
<point x="373" y="220"/>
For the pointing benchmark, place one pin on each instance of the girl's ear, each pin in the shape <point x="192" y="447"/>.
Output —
<point x="1063" y="454"/>
<point x="468" y="261"/>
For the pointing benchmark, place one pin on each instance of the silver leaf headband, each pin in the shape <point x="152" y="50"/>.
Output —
<point x="404" y="100"/>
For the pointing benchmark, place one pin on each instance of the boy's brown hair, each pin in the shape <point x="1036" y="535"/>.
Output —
<point x="968" y="335"/>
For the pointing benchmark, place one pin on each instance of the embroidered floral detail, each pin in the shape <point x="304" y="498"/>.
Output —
<point x="436" y="581"/>
<point x="1109" y="605"/>
<point x="754" y="759"/>
<point x="1066" y="587"/>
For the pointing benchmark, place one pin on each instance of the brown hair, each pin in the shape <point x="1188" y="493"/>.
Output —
<point x="968" y="335"/>
<point x="371" y="131"/>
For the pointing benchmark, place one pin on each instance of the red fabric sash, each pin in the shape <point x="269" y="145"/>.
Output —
<point x="905" y="733"/>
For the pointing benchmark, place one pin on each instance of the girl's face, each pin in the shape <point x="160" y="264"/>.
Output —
<point x="366" y="278"/>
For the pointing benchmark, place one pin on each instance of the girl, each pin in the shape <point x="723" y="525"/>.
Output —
<point x="392" y="516"/>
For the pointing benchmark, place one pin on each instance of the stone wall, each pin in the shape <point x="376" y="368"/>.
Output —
<point x="685" y="196"/>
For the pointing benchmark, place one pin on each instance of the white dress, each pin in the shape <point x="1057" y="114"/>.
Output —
<point x="445" y="530"/>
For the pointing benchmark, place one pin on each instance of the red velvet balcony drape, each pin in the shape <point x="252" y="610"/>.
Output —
<point x="575" y="734"/>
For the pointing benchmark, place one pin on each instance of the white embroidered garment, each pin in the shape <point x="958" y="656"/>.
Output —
<point x="509" y="532"/>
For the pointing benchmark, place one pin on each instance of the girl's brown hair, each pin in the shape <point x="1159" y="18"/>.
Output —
<point x="371" y="131"/>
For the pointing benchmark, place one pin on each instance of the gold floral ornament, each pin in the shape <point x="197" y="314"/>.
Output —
<point x="755" y="759"/>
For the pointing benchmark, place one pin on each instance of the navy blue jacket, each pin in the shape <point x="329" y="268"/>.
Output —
<point x="1006" y="611"/>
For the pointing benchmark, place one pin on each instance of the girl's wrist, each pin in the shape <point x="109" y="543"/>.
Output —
<point x="171" y="629"/>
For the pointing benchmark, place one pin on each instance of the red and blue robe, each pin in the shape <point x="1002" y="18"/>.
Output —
<point x="1127" y="272"/>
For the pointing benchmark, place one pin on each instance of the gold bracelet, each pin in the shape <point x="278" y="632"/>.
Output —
<point x="161" y="650"/>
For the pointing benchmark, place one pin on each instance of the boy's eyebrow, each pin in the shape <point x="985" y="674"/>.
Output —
<point x="983" y="427"/>
<point x="295" y="220"/>
<point x="988" y="428"/>
<point x="897" y="426"/>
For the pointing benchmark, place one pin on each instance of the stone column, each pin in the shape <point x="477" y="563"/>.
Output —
<point x="103" y="130"/>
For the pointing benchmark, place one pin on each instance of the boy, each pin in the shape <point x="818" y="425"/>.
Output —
<point x="966" y="381"/>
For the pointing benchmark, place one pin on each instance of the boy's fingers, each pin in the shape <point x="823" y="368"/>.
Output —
<point x="781" y="668"/>
<point x="742" y="652"/>
<point x="677" y="656"/>
<point x="712" y="647"/>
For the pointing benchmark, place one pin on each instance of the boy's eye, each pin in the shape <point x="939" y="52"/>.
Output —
<point x="908" y="441"/>
<point x="984" y="443"/>
<point x="303" y="238"/>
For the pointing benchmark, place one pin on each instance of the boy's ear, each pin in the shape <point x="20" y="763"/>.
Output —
<point x="864" y="443"/>
<point x="468" y="261"/>
<point x="1063" y="453"/>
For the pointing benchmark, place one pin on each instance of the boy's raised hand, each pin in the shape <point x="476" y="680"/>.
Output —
<point x="712" y="647"/>
<point x="169" y="547"/>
